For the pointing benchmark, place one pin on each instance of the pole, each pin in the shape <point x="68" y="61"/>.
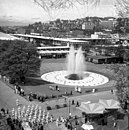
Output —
<point x="69" y="106"/>
<point x="69" y="110"/>
<point x="128" y="119"/>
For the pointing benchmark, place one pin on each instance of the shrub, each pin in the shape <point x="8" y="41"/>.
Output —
<point x="12" y="81"/>
<point x="46" y="97"/>
<point x="53" y="96"/>
<point x="60" y="95"/>
<point x="83" y="114"/>
<point x="64" y="105"/>
<point x="57" y="106"/>
<point x="49" y="108"/>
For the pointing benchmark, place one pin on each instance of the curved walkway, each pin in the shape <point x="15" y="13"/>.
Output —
<point x="8" y="97"/>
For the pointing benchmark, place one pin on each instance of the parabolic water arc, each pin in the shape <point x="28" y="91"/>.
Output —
<point x="75" y="64"/>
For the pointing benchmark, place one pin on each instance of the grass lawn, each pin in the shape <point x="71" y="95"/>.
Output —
<point x="37" y="85"/>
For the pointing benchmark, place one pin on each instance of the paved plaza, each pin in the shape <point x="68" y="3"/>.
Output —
<point x="8" y="100"/>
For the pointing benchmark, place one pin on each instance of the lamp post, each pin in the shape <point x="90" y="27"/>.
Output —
<point x="69" y="106"/>
<point x="127" y="111"/>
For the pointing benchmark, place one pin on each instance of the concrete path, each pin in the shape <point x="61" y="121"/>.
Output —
<point x="8" y="100"/>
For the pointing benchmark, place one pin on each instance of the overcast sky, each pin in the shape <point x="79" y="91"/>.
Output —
<point x="26" y="11"/>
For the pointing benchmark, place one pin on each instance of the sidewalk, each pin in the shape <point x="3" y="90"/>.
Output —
<point x="8" y="100"/>
<point x="8" y="97"/>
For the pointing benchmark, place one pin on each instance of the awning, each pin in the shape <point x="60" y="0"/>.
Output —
<point x="92" y="108"/>
<point x="110" y="104"/>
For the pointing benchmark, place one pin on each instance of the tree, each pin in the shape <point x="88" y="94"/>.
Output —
<point x="126" y="55"/>
<point x="122" y="6"/>
<point x="49" y="5"/>
<point x="86" y="48"/>
<point x="119" y="51"/>
<point x="122" y="86"/>
<point x="18" y="60"/>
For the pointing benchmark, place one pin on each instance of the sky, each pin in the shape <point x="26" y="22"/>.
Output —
<point x="14" y="12"/>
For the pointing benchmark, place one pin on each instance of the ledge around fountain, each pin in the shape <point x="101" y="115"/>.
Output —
<point x="74" y="77"/>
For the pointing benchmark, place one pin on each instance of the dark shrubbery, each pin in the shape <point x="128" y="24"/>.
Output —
<point x="57" y="106"/>
<point x="60" y="95"/>
<point x="49" y="108"/>
<point x="64" y="105"/>
<point x="12" y="81"/>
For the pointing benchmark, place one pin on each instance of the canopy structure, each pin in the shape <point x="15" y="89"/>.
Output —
<point x="87" y="127"/>
<point x="92" y="108"/>
<point x="110" y="104"/>
<point x="4" y="36"/>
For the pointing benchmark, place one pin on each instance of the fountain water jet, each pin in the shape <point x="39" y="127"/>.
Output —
<point x="75" y="64"/>
<point x="75" y="75"/>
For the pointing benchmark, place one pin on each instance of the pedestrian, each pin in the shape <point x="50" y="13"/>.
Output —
<point x="15" y="89"/>
<point x="76" y="88"/>
<point x="66" y="93"/>
<point x="70" y="115"/>
<point x="79" y="90"/>
<point x="115" y="124"/>
<point x="17" y="102"/>
<point x="112" y="91"/>
<point x="42" y="99"/>
<point x="56" y="87"/>
<point x="72" y="102"/>
<point x="51" y="118"/>
<point x="22" y="92"/>
<point x="65" y="99"/>
<point x="28" y="97"/>
<point x="57" y="122"/>
<point x="77" y="105"/>
<point x="93" y="90"/>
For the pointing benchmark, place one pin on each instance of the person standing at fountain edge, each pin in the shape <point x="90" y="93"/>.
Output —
<point x="76" y="88"/>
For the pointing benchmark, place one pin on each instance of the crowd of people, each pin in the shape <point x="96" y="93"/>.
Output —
<point x="32" y="117"/>
<point x="19" y="90"/>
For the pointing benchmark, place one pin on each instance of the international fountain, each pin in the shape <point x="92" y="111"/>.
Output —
<point x="75" y="74"/>
<point x="75" y="64"/>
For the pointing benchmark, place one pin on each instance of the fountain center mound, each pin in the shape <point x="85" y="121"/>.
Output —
<point x="75" y="64"/>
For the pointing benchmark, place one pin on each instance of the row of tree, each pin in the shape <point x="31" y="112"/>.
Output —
<point x="18" y="59"/>
<point x="121" y="75"/>
<point x="119" y="51"/>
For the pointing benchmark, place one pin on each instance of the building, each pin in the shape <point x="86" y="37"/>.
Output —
<point x="77" y="32"/>
<point x="104" y="59"/>
<point x="106" y="24"/>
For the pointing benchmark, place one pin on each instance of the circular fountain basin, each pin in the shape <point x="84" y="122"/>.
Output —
<point x="60" y="77"/>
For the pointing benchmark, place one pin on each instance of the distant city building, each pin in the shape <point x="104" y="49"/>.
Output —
<point x="77" y="32"/>
<point x="106" y="24"/>
<point x="94" y="36"/>
<point x="88" y="25"/>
